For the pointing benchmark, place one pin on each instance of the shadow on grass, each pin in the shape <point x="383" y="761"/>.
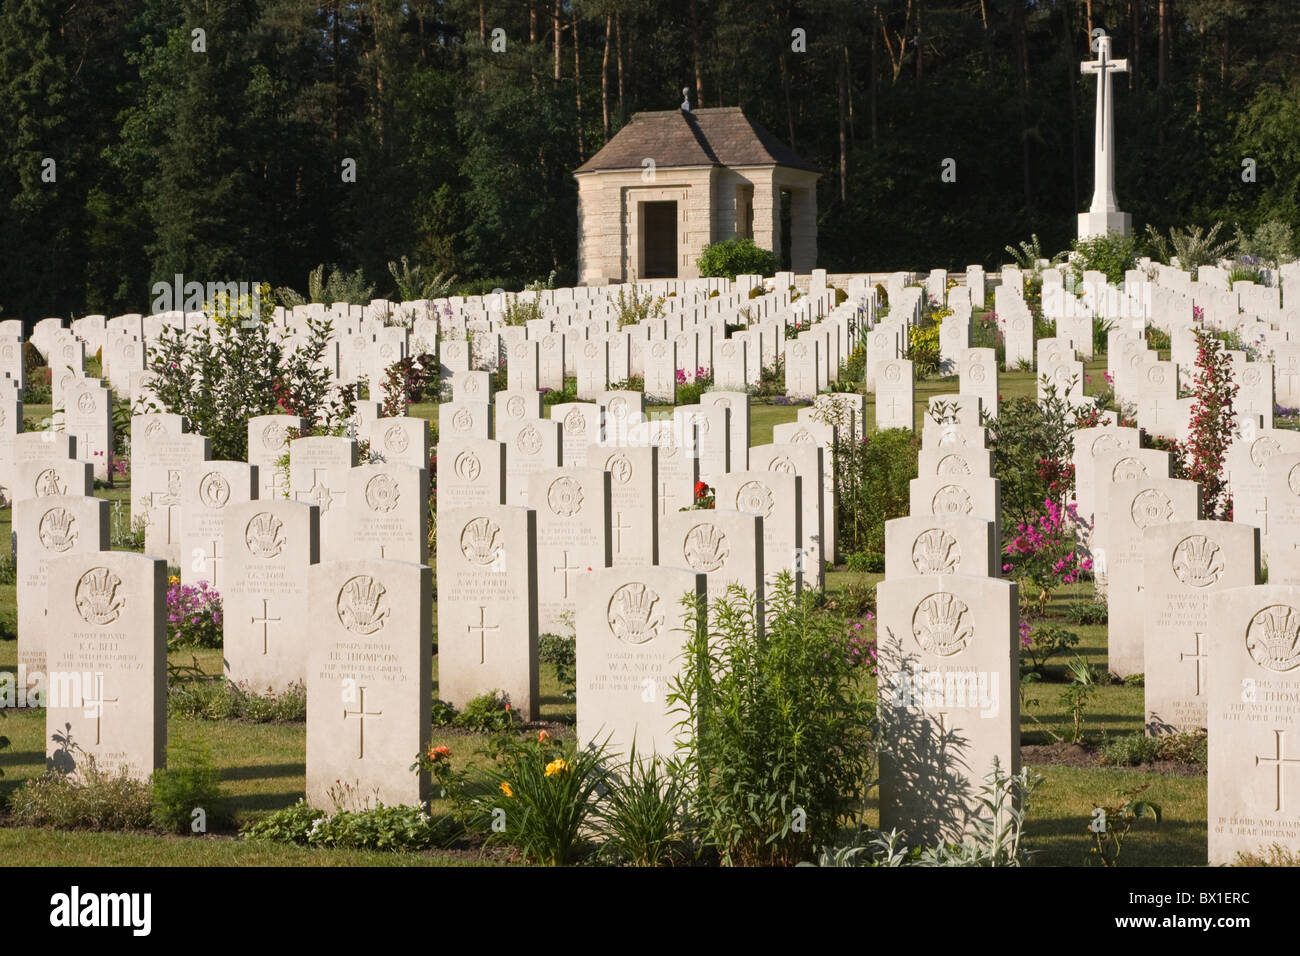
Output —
<point x="262" y="771"/>
<point x="257" y="802"/>
<point x="1065" y="841"/>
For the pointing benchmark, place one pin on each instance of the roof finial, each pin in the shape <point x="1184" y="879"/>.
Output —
<point x="686" y="99"/>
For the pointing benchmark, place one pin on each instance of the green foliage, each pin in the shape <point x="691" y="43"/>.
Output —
<point x="123" y="533"/>
<point x="560" y="651"/>
<point x="1114" y="254"/>
<point x="1193" y="247"/>
<point x="633" y="307"/>
<point x="488" y="713"/>
<point x="1271" y="245"/>
<point x="189" y="782"/>
<point x="101" y="801"/>
<point x="545" y="794"/>
<point x="1135" y="749"/>
<point x="413" y="283"/>
<point x="399" y="829"/>
<point x="349" y="287"/>
<point x="1111" y="824"/>
<point x="1033" y="445"/>
<point x="778" y="751"/>
<point x="688" y="393"/>
<point x="643" y="817"/>
<point x="872" y="486"/>
<point x="1086" y="612"/>
<point x="217" y="698"/>
<point x="865" y="562"/>
<point x="732" y="257"/>
<point x="1046" y="640"/>
<point x="219" y="378"/>
<point x="1077" y="694"/>
<point x="1273" y="855"/>
<point x="1157" y="339"/>
<point x="444" y="714"/>
<point x="522" y="312"/>
<point x="923" y="349"/>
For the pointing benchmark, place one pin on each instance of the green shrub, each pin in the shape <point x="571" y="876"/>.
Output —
<point x="209" y="698"/>
<point x="1033" y="445"/>
<point x="560" y="651"/>
<point x="778" y="752"/>
<point x="544" y="797"/>
<point x="866" y="562"/>
<point x="1273" y="855"/>
<point x="291" y="825"/>
<point x="1129" y="751"/>
<point x="101" y="801"/>
<point x="1085" y="612"/>
<point x="688" y="393"/>
<point x="923" y="349"/>
<point x="562" y="396"/>
<point x="1157" y="339"/>
<point x="444" y="714"/>
<point x="488" y="713"/>
<point x="191" y="782"/>
<point x="1114" y="254"/>
<point x="1045" y="641"/>
<point x="1184" y="747"/>
<point x="733" y="257"/>
<point x="872" y="486"/>
<point x="643" y="816"/>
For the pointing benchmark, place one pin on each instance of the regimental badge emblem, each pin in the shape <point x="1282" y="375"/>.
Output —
<point x="86" y="403"/>
<point x="755" y="497"/>
<point x="274" y="436"/>
<point x="941" y="624"/>
<point x="1198" y="562"/>
<point x="463" y="420"/>
<point x="1151" y="507"/>
<point x="802" y="437"/>
<point x="467" y="466"/>
<point x="633" y="614"/>
<point x="977" y="374"/>
<point x="1273" y="638"/>
<point x="153" y="429"/>
<point x="1262" y="449"/>
<point x="619" y="468"/>
<point x="480" y="542"/>
<point x="800" y="350"/>
<point x="1293" y="480"/>
<point x="951" y="500"/>
<point x="214" y="490"/>
<point x="618" y="407"/>
<point x="362" y="606"/>
<point x="382" y="493"/>
<point x="49" y="483"/>
<point x="705" y="548"/>
<point x="893" y="373"/>
<point x="575" y="423"/>
<point x="516" y="406"/>
<point x="1129" y="469"/>
<point x="262" y="535"/>
<point x="395" y="439"/>
<point x="784" y="465"/>
<point x="659" y="350"/>
<point x="952" y="465"/>
<point x="936" y="552"/>
<point x="58" y="530"/>
<point x="529" y="440"/>
<point x="564" y="497"/>
<point x="97" y="597"/>
<point x="1104" y="443"/>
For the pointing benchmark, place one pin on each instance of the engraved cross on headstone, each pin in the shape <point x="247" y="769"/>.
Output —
<point x="361" y="714"/>
<point x="1279" y="763"/>
<point x="168" y="500"/>
<point x="214" y="559"/>
<point x="564" y="569"/>
<point x="482" y="626"/>
<point x="265" y="620"/>
<point x="319" y="493"/>
<point x="1198" y="657"/>
<point x="98" y="705"/>
<point x="618" y="528"/>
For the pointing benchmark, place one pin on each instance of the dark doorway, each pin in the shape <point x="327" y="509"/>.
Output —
<point x="783" y="254"/>
<point x="659" y="222"/>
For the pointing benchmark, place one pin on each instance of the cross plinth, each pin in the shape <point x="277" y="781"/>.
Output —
<point x="1104" y="216"/>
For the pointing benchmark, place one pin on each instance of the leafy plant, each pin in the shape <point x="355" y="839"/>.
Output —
<point x="1193" y="246"/>
<point x="1027" y="254"/>
<point x="413" y="283"/>
<point x="1114" y="254"/>
<point x="521" y="312"/>
<point x="732" y="257"/>
<point x="1271" y="245"/>
<point x="776" y="741"/>
<point x="1077" y="694"/>
<point x="99" y="801"/>
<point x="488" y="713"/>
<point x="1086" y="612"/>
<point x="1111" y="825"/>
<point x="643" y="816"/>
<point x="1210" y="427"/>
<point x="544" y="796"/>
<point x="190" y="782"/>
<point x="340" y="286"/>
<point x="1046" y="640"/>
<point x="193" y="615"/>
<point x="1044" y="554"/>
<point x="634" y="308"/>
<point x="560" y="651"/>
<point x="217" y="698"/>
<point x="865" y="562"/>
<point x="1033" y="446"/>
<point x="872" y="479"/>
<point x="923" y="349"/>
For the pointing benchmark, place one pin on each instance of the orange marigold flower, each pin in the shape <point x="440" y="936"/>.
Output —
<point x="505" y="788"/>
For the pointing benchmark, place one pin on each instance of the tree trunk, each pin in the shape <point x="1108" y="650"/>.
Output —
<point x="1072" y="84"/>
<point x="785" y="75"/>
<point x="558" y="44"/>
<point x="843" y="79"/>
<point x="1162" y="49"/>
<point x="695" y="56"/>
<point x="871" y="89"/>
<point x="604" y="78"/>
<point x="618" y="56"/>
<point x="1022" y="62"/>
<point x="577" y="91"/>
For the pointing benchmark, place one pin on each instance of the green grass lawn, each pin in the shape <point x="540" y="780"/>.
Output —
<point x="262" y="765"/>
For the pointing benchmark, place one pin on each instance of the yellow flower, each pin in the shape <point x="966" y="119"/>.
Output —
<point x="505" y="788"/>
<point x="557" y="765"/>
<point x="173" y="580"/>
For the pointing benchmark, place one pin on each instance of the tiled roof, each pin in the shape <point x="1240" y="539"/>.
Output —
<point x="703" y="137"/>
